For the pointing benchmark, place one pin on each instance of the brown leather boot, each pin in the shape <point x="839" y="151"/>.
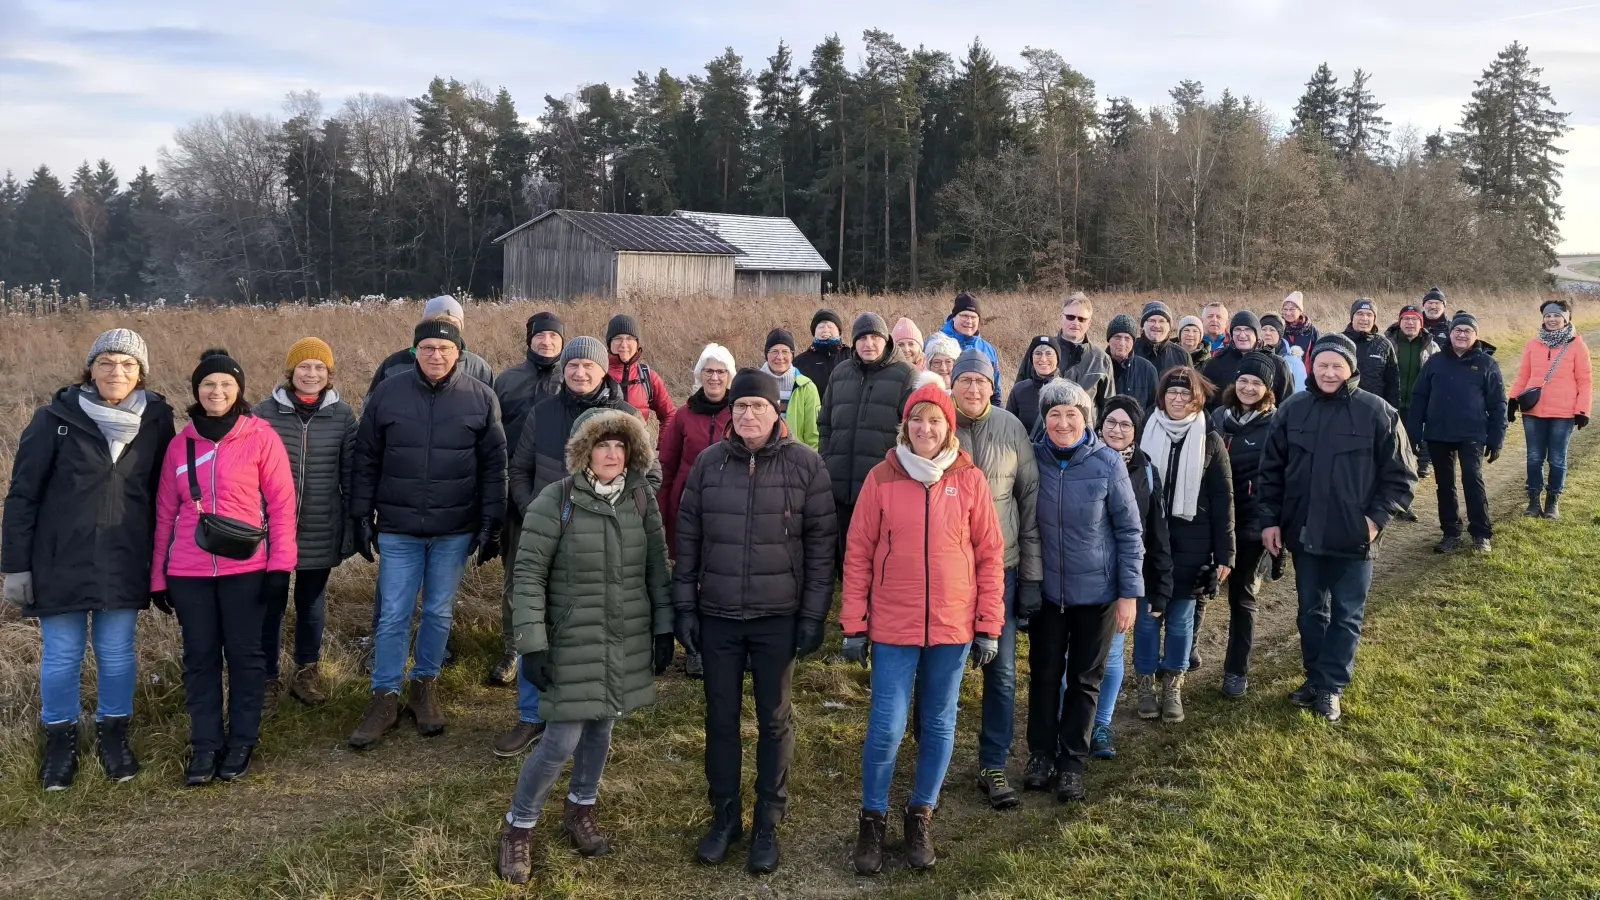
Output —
<point x="424" y="707"/>
<point x="868" y="856"/>
<point x="382" y="716"/>
<point x="919" y="838"/>
<point x="269" y="699"/>
<point x="579" y="824"/>
<point x="307" y="686"/>
<point x="516" y="854"/>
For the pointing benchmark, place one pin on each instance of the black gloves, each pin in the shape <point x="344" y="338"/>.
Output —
<point x="1582" y="420"/>
<point x="1028" y="601"/>
<point x="1206" y="583"/>
<point x="858" y="650"/>
<point x="161" y="600"/>
<point x="807" y="637"/>
<point x="663" y="652"/>
<point x="366" y="539"/>
<point x="1158" y="605"/>
<point x="686" y="625"/>
<point x="1491" y="453"/>
<point x="1511" y="409"/>
<point x="488" y="544"/>
<point x="536" y="668"/>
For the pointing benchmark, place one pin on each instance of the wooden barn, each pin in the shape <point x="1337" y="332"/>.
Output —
<point x="774" y="256"/>
<point x="565" y="254"/>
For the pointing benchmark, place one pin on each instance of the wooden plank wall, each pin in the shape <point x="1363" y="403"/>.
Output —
<point x="554" y="260"/>
<point x="751" y="283"/>
<point x="675" y="274"/>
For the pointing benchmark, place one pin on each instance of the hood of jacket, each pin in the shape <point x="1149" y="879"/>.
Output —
<point x="281" y="397"/>
<point x="593" y="429"/>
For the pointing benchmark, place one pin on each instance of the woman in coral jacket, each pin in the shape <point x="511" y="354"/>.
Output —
<point x="241" y="468"/>
<point x="1557" y="362"/>
<point x="924" y="584"/>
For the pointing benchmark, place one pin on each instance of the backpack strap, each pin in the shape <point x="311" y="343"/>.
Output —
<point x="641" y="503"/>
<point x="649" y="392"/>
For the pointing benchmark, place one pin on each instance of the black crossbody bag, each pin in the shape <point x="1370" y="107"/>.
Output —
<point x="1528" y="399"/>
<point x="220" y="535"/>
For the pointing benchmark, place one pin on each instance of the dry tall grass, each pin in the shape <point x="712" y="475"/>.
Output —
<point x="48" y="352"/>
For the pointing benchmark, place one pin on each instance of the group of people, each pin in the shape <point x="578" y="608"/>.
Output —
<point x="1111" y="490"/>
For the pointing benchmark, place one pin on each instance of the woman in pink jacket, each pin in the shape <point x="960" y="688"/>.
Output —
<point x="1557" y="362"/>
<point x="924" y="586"/>
<point x="241" y="468"/>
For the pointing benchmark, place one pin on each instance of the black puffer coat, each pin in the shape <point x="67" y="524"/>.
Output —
<point x="1378" y="364"/>
<point x="1137" y="379"/>
<point x="83" y="525"/>
<point x="431" y="458"/>
<point x="1223" y="369"/>
<point x="322" y="453"/>
<point x="817" y="363"/>
<point x="861" y="417"/>
<point x="402" y="361"/>
<point x="1167" y="355"/>
<point x="1157" y="537"/>
<point x="1206" y="539"/>
<point x="1245" y="445"/>
<point x="540" y="457"/>
<point x="756" y="532"/>
<point x="520" y="387"/>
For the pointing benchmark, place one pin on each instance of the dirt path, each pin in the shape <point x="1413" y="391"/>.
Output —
<point x="170" y="834"/>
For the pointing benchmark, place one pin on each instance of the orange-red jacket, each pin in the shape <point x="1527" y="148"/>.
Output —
<point x="1568" y="391"/>
<point x="924" y="566"/>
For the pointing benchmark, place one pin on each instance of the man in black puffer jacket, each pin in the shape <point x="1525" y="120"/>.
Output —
<point x="1244" y="337"/>
<point x="861" y="411"/>
<point x="431" y="463"/>
<point x="754" y="580"/>
<point x="443" y="308"/>
<point x="1376" y="358"/>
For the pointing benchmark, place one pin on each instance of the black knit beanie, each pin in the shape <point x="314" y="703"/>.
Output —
<point x="753" y="383"/>
<point x="1258" y="364"/>
<point x="826" y="315"/>
<point x="1128" y="405"/>
<point x="965" y="302"/>
<point x="543" y="321"/>
<point x="216" y="361"/>
<point x="779" y="336"/>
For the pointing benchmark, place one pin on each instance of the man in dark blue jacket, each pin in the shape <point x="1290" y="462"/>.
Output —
<point x="1459" y="407"/>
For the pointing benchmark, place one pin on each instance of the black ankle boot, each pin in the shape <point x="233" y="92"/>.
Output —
<point x="116" y="756"/>
<point x="763" y="856"/>
<point x="60" y="763"/>
<point x="727" y="827"/>
<point x="202" y="768"/>
<point x="1534" y="511"/>
<point x="235" y="762"/>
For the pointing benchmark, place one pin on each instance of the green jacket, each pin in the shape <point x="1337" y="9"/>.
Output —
<point x="999" y="446"/>
<point x="594" y="595"/>
<point x="805" y="404"/>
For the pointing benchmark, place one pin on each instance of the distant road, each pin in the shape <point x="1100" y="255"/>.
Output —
<point x="1568" y="267"/>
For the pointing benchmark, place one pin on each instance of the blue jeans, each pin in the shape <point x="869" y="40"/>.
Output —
<point x="66" y="636"/>
<point x="937" y="672"/>
<point x="999" y="720"/>
<point x="1547" y="440"/>
<point x="435" y="565"/>
<point x="527" y="698"/>
<point x="1333" y="602"/>
<point x="1178" y="625"/>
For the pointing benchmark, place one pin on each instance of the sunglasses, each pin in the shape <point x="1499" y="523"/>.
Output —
<point x="1072" y="318"/>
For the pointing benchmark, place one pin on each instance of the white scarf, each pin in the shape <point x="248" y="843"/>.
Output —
<point x="927" y="471"/>
<point x="118" y="424"/>
<point x="1157" y="443"/>
<point x="609" y="491"/>
<point x="785" y="382"/>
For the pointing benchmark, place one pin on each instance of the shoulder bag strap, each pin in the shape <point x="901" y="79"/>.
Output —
<point x="566" y="502"/>
<point x="194" y="480"/>
<point x="1555" y="365"/>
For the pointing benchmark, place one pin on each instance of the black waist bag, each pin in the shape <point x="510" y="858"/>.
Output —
<point x="221" y="535"/>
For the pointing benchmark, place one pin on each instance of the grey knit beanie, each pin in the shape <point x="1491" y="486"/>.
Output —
<point x="443" y="305"/>
<point x="972" y="361"/>
<point x="585" y="347"/>
<point x="121" y="340"/>
<point x="869" y="323"/>
<point x="1061" y="391"/>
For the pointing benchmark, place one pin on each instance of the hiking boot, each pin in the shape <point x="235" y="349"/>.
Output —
<point x="504" y="672"/>
<point x="1149" y="706"/>
<point x="1036" y="776"/>
<point x="584" y="832"/>
<point x="116" y="757"/>
<point x="1172" y="698"/>
<point x="1552" y="506"/>
<point x="235" y="763"/>
<point x="1070" y="789"/>
<point x="868" y="855"/>
<point x="1103" y="743"/>
<point x="1450" y="542"/>
<point x="693" y="667"/>
<point x="1235" y="686"/>
<point x="918" y="825"/>
<point x="1534" y="510"/>
<point x="423" y="705"/>
<point x="382" y="716"/>
<point x="517" y="741"/>
<point x="269" y="700"/>
<point x="516" y="854"/>
<point x="60" y="764"/>
<point x="993" y="784"/>
<point x="1304" y="696"/>
<point x="1481" y="545"/>
<point x="307" y="685"/>
<point x="727" y="828"/>
<point x="202" y="768"/>
<point x="763" y="856"/>
<point x="1327" y="706"/>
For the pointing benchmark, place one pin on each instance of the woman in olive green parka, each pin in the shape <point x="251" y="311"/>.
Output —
<point x="591" y="612"/>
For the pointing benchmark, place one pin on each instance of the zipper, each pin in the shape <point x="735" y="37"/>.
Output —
<point x="883" y="577"/>
<point x="749" y="508"/>
<point x="305" y="450"/>
<point x="216" y="457"/>
<point x="1061" y="540"/>
<point x="927" y="566"/>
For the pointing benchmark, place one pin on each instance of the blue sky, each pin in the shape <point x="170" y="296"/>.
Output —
<point x="81" y="79"/>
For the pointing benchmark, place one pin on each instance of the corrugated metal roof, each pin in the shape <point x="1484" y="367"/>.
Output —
<point x="640" y="234"/>
<point x="766" y="243"/>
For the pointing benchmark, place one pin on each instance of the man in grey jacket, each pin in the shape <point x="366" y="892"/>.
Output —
<point x="999" y="445"/>
<point x="1084" y="363"/>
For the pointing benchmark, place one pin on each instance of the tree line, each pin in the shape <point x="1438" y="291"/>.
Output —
<point x="909" y="169"/>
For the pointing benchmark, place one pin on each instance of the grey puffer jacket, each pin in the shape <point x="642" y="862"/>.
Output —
<point x="322" y="452"/>
<point x="999" y="446"/>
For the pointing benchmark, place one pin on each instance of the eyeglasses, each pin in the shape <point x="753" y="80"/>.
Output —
<point x="751" y="407"/>
<point x="106" y="365"/>
<point x="1113" y="425"/>
<point x="433" y="351"/>
<point x="1072" y="318"/>
<point x="1180" y="393"/>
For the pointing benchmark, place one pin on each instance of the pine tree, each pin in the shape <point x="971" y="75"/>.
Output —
<point x="1316" y="117"/>
<point x="725" y="111"/>
<point x="10" y="204"/>
<point x="45" y="247"/>
<point x="1363" y="134"/>
<point x="1121" y="118"/>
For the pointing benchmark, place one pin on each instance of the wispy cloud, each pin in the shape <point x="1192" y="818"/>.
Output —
<point x="1547" y="12"/>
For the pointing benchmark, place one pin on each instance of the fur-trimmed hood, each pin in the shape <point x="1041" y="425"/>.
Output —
<point x="595" y="424"/>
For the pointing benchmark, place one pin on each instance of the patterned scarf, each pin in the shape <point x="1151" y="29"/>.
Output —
<point x="1554" y="339"/>
<point x="609" y="491"/>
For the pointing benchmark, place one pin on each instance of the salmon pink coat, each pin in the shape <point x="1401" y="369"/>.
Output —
<point x="248" y="466"/>
<point x="924" y="566"/>
<point x="1568" y="391"/>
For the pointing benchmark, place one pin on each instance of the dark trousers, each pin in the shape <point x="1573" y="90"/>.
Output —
<point x="842" y="512"/>
<point x="310" y="614"/>
<point x="1333" y="605"/>
<point x="768" y="645"/>
<point x="220" y="622"/>
<point x="1073" y="641"/>
<point x="1444" y="475"/>
<point x="1244" y="588"/>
